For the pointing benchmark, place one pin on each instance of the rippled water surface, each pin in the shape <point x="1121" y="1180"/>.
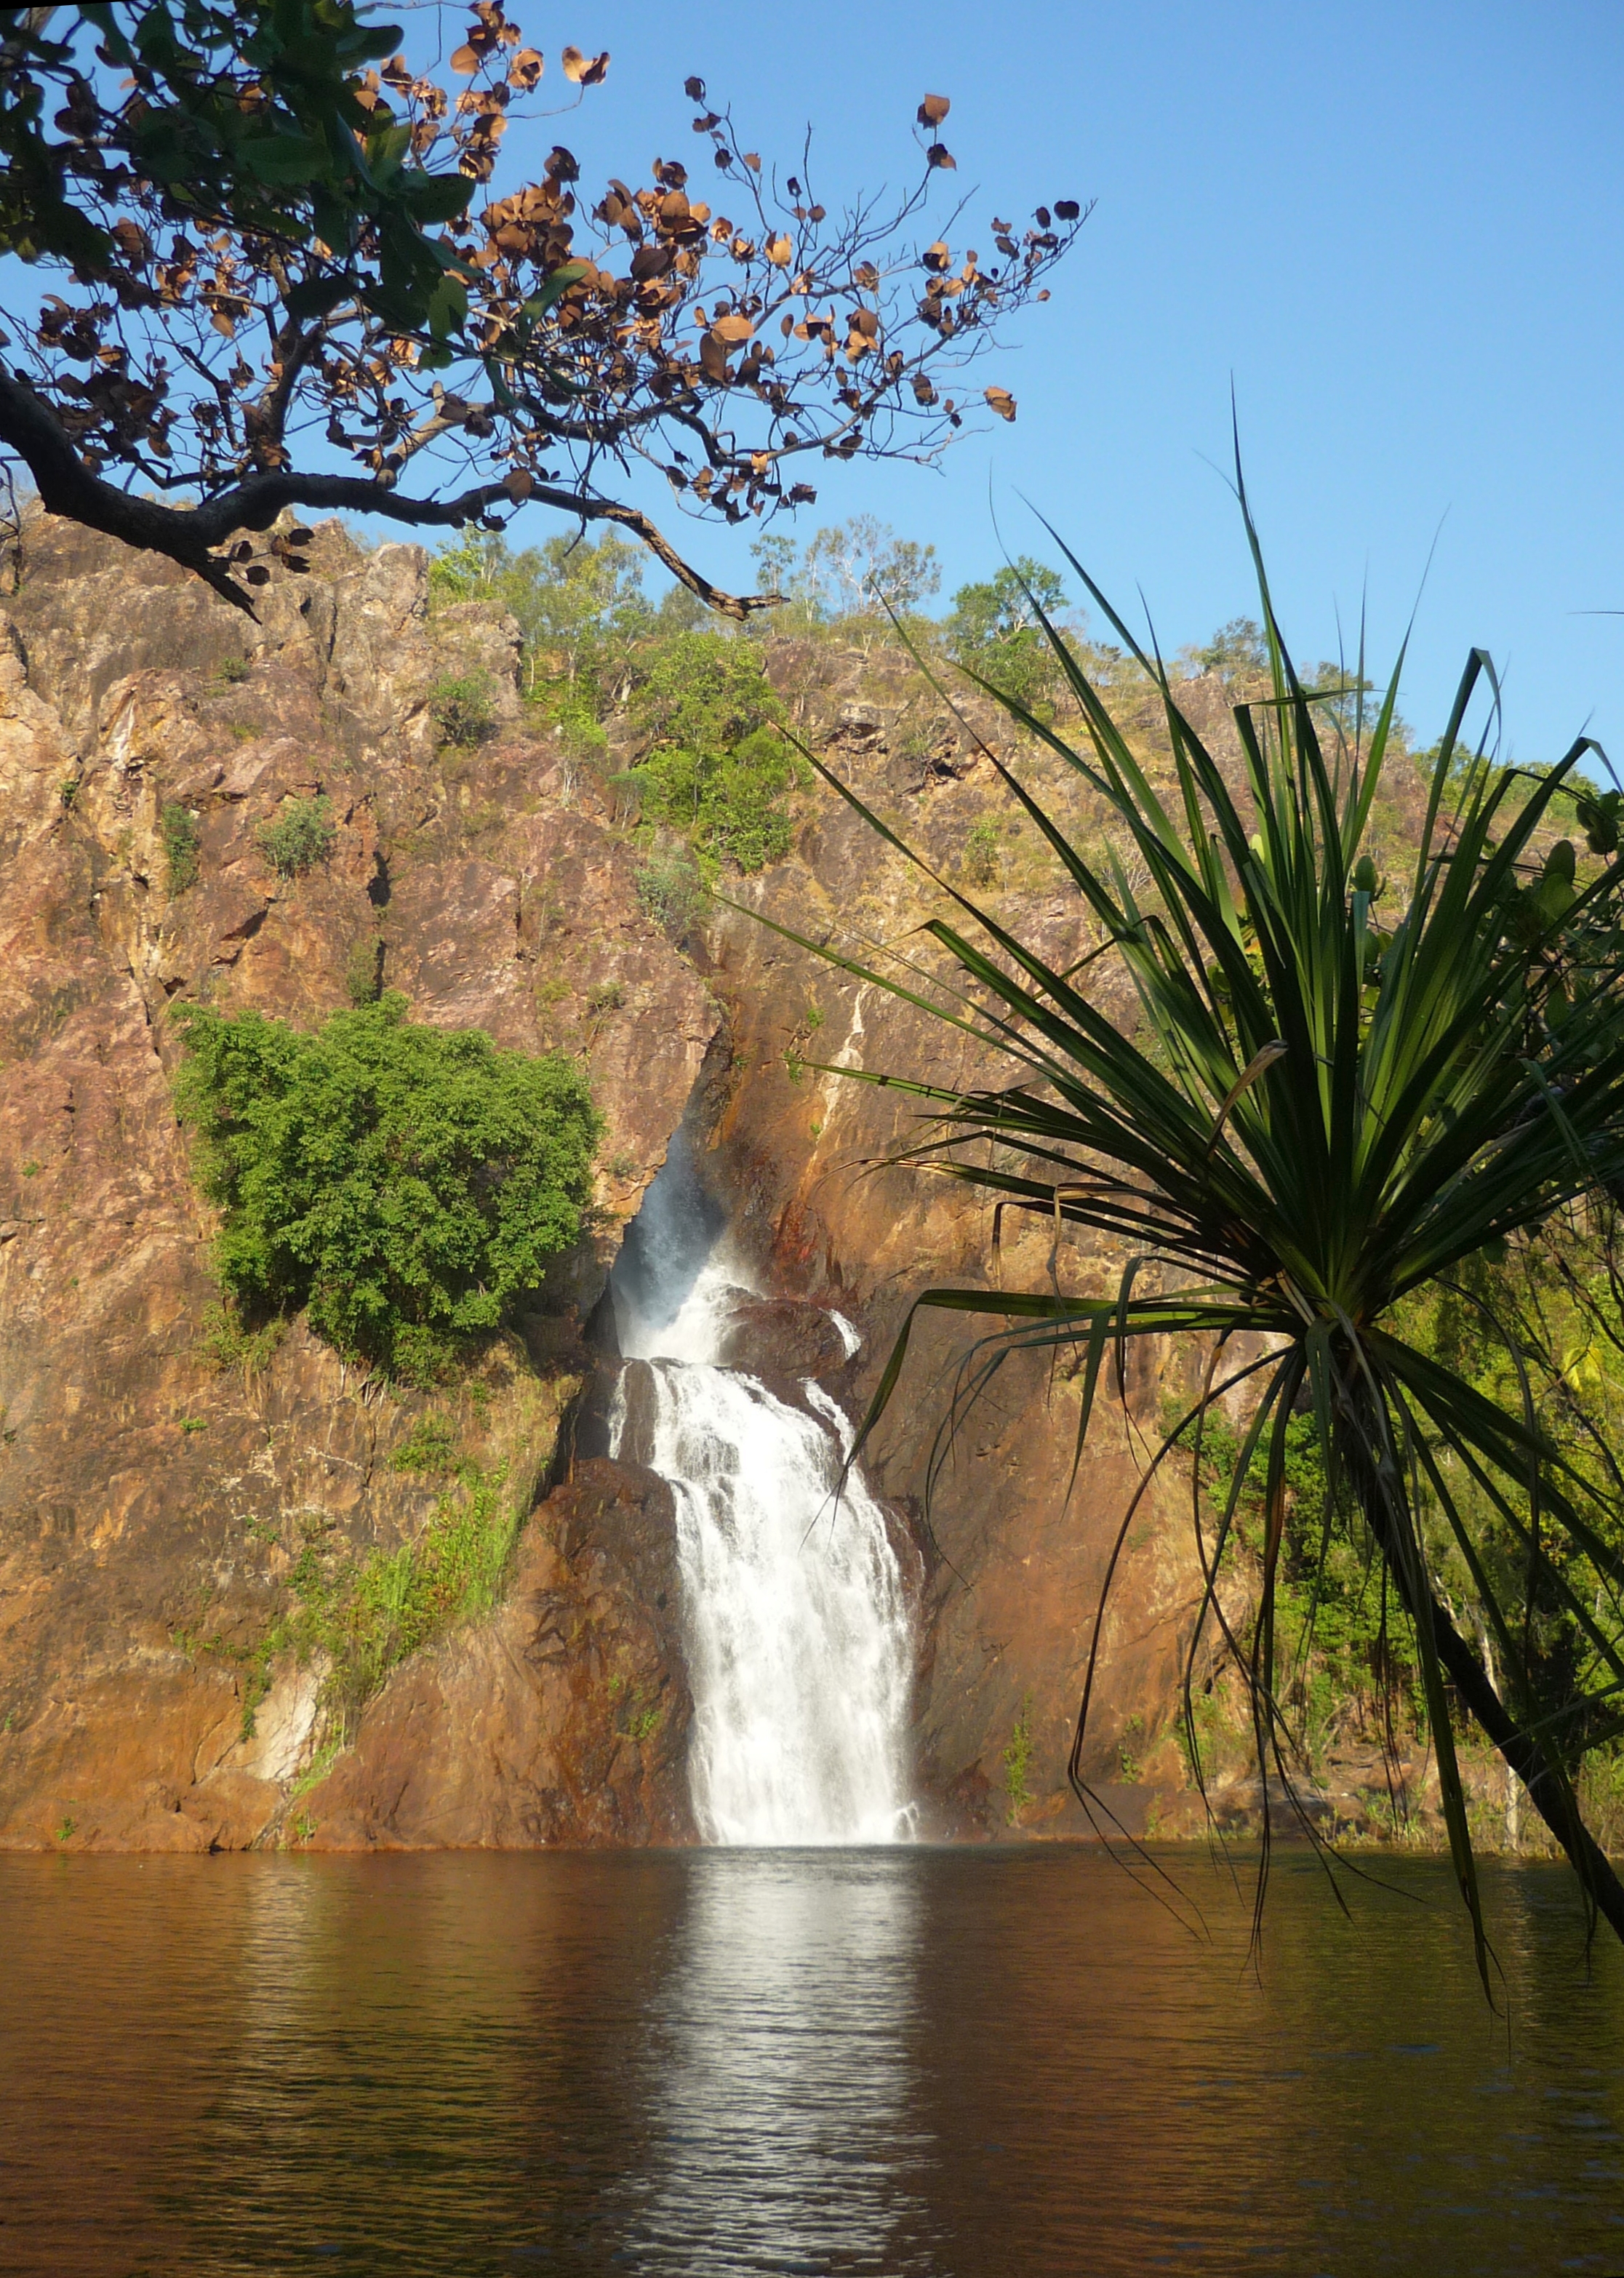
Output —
<point x="894" y="2062"/>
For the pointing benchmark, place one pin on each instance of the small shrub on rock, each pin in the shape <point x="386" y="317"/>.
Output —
<point x="430" y="1446"/>
<point x="364" y="971"/>
<point x="177" y="835"/>
<point x="672" y="892"/>
<point x="406" y="1187"/>
<point x="228" y="1342"/>
<point x="463" y="708"/>
<point x="983" y="858"/>
<point x="300" y="836"/>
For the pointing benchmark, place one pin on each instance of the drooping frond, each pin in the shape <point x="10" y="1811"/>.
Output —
<point x="1328" y="1112"/>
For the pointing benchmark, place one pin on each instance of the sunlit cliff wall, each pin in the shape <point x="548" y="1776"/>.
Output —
<point x="154" y="1504"/>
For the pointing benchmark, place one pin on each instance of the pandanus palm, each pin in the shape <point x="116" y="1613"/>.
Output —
<point x="1315" y="1121"/>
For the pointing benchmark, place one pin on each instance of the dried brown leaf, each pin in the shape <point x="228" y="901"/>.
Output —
<point x="1001" y="401"/>
<point x="584" y="70"/>
<point x="934" y="110"/>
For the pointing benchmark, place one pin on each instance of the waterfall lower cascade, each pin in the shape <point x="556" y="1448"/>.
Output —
<point x="799" y="1652"/>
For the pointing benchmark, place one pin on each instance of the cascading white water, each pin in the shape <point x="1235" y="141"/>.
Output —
<point x="799" y="1652"/>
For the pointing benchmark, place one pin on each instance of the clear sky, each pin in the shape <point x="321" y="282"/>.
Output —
<point x="1396" y="224"/>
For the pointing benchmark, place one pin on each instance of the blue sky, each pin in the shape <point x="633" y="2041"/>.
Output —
<point x="1399" y="229"/>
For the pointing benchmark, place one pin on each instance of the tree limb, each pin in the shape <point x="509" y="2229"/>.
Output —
<point x="189" y="535"/>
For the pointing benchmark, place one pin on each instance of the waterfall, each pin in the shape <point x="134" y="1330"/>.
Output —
<point x="799" y="1646"/>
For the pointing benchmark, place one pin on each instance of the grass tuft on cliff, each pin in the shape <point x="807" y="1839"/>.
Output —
<point x="406" y="1187"/>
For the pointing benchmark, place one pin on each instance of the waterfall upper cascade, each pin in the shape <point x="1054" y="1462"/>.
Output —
<point x="799" y="1652"/>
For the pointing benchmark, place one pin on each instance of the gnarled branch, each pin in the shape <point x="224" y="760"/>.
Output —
<point x="191" y="535"/>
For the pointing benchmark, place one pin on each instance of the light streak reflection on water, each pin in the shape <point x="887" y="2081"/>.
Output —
<point x="783" y="2043"/>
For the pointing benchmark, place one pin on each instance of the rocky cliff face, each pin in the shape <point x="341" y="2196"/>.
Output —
<point x="163" y="1505"/>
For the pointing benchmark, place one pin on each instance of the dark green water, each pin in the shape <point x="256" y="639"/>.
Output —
<point x="951" y="2063"/>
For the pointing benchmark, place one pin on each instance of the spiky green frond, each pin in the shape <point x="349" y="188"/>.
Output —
<point x="1319" y="1116"/>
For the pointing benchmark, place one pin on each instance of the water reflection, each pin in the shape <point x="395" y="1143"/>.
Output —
<point x="370" y="2035"/>
<point x="779" y="2063"/>
<point x="904" y="2062"/>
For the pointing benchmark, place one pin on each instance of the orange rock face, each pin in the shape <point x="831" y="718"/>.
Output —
<point x="156" y="1507"/>
<point x="498" y="1737"/>
<point x="152" y="1503"/>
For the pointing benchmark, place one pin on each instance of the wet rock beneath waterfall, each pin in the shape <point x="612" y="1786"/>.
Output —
<point x="637" y="1395"/>
<point x="564" y="1719"/>
<point x="775" y="1337"/>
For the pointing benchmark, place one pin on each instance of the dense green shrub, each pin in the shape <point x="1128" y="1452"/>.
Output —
<point x="728" y="803"/>
<point x="301" y="837"/>
<point x="179" y="836"/>
<point x="717" y="769"/>
<point x="705" y="691"/>
<point x="995" y="629"/>
<point x="580" y="607"/>
<point x="407" y="1186"/>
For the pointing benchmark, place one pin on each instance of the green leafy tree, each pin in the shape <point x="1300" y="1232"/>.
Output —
<point x="995" y="629"/>
<point x="862" y="569"/>
<point x="581" y="610"/>
<point x="704" y="689"/>
<point x="1321" y="1122"/>
<point x="1236" y="652"/>
<point x="850" y="574"/>
<point x="717" y="769"/>
<point x="729" y="803"/>
<point x="253" y="120"/>
<point x="407" y="1186"/>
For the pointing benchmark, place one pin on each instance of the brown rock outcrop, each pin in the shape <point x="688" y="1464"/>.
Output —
<point x="562" y="1719"/>
<point x="155" y="1504"/>
<point x="778" y="1337"/>
<point x="156" y="1507"/>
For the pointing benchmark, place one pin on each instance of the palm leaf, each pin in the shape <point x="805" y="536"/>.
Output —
<point x="1323" y="1123"/>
